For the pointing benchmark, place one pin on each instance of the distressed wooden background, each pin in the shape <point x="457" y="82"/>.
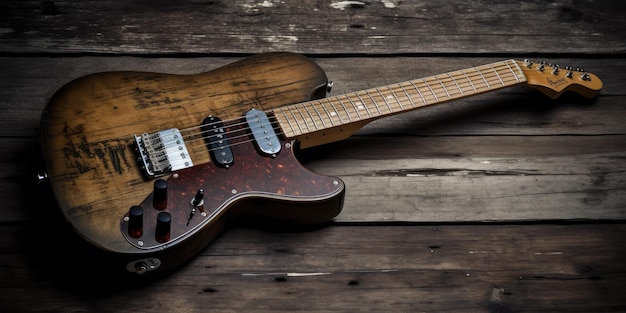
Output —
<point x="504" y="202"/>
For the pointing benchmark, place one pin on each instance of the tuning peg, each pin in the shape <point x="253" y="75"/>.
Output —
<point x="555" y="71"/>
<point x="528" y="63"/>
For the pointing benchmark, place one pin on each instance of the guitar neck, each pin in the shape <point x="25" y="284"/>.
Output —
<point x="318" y="118"/>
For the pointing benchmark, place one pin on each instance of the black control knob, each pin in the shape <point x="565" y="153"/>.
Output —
<point x="164" y="223"/>
<point x="159" y="195"/>
<point x="135" y="221"/>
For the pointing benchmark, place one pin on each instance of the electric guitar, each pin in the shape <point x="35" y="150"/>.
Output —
<point x="151" y="167"/>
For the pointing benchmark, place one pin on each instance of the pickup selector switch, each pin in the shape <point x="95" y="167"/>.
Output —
<point x="197" y="200"/>
<point x="159" y="195"/>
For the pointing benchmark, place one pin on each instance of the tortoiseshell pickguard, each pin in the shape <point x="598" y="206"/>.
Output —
<point x="252" y="175"/>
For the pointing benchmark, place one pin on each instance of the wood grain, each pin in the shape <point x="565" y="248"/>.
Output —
<point x="328" y="27"/>
<point x="525" y="164"/>
<point x="521" y="133"/>
<point x="411" y="268"/>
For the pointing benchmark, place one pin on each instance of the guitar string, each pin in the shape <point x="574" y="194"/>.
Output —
<point x="390" y="88"/>
<point x="436" y="84"/>
<point x="245" y="134"/>
<point x="495" y="79"/>
<point x="314" y="120"/>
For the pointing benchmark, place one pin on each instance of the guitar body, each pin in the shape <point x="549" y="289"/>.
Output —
<point x="92" y="144"/>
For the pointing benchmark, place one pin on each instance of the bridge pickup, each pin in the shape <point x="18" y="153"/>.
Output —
<point x="216" y="141"/>
<point x="162" y="152"/>
<point x="263" y="132"/>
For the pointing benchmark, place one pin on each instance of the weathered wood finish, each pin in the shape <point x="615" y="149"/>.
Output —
<point x="549" y="173"/>
<point x="89" y="125"/>
<point x="330" y="27"/>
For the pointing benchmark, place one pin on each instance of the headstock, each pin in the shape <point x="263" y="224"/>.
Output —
<point x="553" y="80"/>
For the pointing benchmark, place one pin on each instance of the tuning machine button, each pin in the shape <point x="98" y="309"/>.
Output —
<point x="528" y="63"/>
<point x="159" y="195"/>
<point x="585" y="77"/>
<point x="135" y="221"/>
<point x="542" y="66"/>
<point x="163" y="225"/>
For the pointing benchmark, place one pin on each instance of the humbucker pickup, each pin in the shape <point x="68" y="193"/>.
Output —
<point x="162" y="152"/>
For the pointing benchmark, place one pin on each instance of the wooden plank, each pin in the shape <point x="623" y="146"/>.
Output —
<point x="28" y="83"/>
<point x="429" y="161"/>
<point x="434" y="179"/>
<point x="497" y="188"/>
<point x="506" y="157"/>
<point x="443" y="268"/>
<point x="381" y="27"/>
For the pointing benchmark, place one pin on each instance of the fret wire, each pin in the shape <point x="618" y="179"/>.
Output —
<point x="450" y="83"/>
<point x="516" y="73"/>
<point x="303" y="117"/>
<point x="281" y="111"/>
<point x="419" y="92"/>
<point x="444" y="86"/>
<point x="457" y="85"/>
<point x="512" y="72"/>
<point x="407" y="95"/>
<point x="503" y="72"/>
<point x="338" y="113"/>
<point x="393" y="93"/>
<point x="483" y="77"/>
<point x="431" y="90"/>
<point x="364" y="104"/>
<point x="469" y="80"/>
<point x="306" y="106"/>
<point x="373" y="102"/>
<point x="462" y="83"/>
<point x="500" y="78"/>
<point x="500" y="69"/>
<point x="453" y="81"/>
<point x="360" y="107"/>
<point x="328" y="113"/>
<point x="293" y="130"/>
<point x="289" y="108"/>
<point x="358" y="114"/>
<point x="335" y="110"/>
<point x="376" y="103"/>
<point x="318" y="114"/>
<point x="384" y="100"/>
<point x="345" y="109"/>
